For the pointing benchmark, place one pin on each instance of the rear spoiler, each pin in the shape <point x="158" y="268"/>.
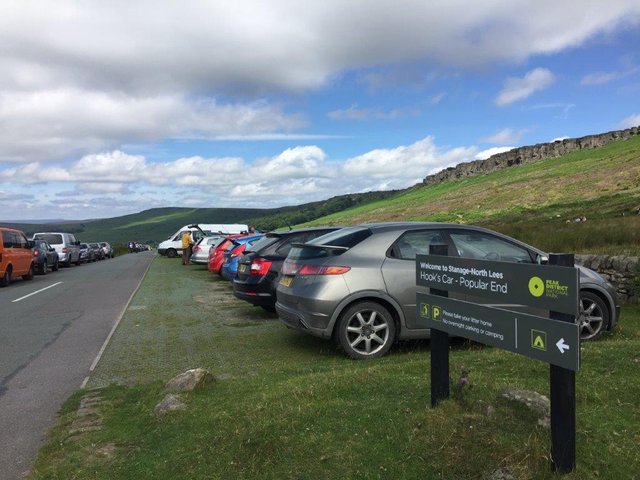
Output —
<point x="319" y="246"/>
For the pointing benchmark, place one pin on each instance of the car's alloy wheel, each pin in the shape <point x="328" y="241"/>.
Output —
<point x="594" y="316"/>
<point x="55" y="266"/>
<point x="366" y="330"/>
<point x="171" y="253"/>
<point x="44" y="268"/>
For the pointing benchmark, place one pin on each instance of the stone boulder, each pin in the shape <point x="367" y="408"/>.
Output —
<point x="169" y="403"/>
<point x="534" y="401"/>
<point x="188" y="381"/>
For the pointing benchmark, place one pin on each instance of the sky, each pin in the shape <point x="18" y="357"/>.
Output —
<point x="112" y="108"/>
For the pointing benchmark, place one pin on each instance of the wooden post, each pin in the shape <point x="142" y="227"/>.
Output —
<point x="563" y="397"/>
<point x="439" y="347"/>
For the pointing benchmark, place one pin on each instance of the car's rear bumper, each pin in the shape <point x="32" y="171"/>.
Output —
<point x="314" y="323"/>
<point x="255" y="292"/>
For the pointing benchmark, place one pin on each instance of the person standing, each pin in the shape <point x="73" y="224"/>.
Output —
<point x="187" y="245"/>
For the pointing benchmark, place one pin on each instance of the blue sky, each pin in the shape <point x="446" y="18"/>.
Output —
<point x="110" y="108"/>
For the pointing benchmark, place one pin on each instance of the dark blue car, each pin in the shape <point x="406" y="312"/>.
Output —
<point x="229" y="268"/>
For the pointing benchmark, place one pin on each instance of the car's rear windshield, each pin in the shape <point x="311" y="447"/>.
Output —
<point x="52" y="238"/>
<point x="345" y="238"/>
<point x="263" y="243"/>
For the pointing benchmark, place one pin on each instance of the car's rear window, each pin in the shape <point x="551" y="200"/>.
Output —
<point x="52" y="238"/>
<point x="264" y="242"/>
<point x="345" y="238"/>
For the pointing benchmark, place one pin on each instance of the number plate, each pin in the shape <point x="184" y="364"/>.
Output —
<point x="242" y="268"/>
<point x="286" y="281"/>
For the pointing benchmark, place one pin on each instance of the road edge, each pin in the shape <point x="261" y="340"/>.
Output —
<point x="94" y="364"/>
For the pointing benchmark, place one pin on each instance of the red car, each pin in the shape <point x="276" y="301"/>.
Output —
<point x="216" y="255"/>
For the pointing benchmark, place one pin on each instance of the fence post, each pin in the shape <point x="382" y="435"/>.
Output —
<point x="439" y="346"/>
<point x="563" y="397"/>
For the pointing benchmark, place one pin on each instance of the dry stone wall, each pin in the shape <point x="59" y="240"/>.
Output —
<point x="530" y="154"/>
<point x="621" y="271"/>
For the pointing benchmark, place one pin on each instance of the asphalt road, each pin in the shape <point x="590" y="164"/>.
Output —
<point x="51" y="331"/>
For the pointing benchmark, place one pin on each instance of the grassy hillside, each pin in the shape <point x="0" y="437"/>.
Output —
<point x="536" y="203"/>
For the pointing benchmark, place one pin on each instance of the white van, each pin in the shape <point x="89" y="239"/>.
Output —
<point x="172" y="247"/>
<point x="65" y="244"/>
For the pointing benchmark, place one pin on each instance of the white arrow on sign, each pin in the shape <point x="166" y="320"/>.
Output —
<point x="563" y="347"/>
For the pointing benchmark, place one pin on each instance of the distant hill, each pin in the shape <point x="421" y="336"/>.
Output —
<point x="155" y="225"/>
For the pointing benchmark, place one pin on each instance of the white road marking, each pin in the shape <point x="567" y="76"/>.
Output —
<point x="37" y="291"/>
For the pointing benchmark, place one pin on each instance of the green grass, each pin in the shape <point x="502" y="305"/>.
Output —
<point x="289" y="406"/>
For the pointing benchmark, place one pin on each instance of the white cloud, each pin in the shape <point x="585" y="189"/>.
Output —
<point x="284" y="44"/>
<point x="506" y="135"/>
<point x="520" y="88"/>
<point x="33" y="127"/>
<point x="600" y="78"/>
<point x="81" y="77"/>
<point x="631" y="121"/>
<point x="298" y="162"/>
<point x="484" y="154"/>
<point x="405" y="165"/>
<point x="361" y="114"/>
<point x="436" y="99"/>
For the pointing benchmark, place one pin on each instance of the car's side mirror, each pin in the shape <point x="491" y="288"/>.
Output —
<point x="542" y="259"/>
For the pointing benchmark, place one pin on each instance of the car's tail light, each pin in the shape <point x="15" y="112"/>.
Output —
<point x="322" y="270"/>
<point x="297" y="269"/>
<point x="35" y="252"/>
<point x="65" y="250"/>
<point x="196" y="249"/>
<point x="260" y="267"/>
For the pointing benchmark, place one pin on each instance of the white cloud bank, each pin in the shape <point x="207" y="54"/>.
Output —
<point x="297" y="175"/>
<point x="82" y="77"/>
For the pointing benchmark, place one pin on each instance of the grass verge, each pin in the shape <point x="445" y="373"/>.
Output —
<point x="288" y="406"/>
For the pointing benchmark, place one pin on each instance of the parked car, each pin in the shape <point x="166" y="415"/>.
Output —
<point x="45" y="257"/>
<point x="202" y="247"/>
<point x="107" y="249"/>
<point x="98" y="252"/>
<point x="65" y="244"/>
<point x="259" y="265"/>
<point x="172" y="247"/>
<point x="229" y="267"/>
<point x="216" y="255"/>
<point x="358" y="284"/>
<point x="87" y="254"/>
<point x="16" y="256"/>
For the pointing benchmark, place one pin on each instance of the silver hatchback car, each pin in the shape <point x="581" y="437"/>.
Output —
<point x="357" y="284"/>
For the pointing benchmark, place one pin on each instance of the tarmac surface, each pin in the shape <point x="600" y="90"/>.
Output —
<point x="52" y="330"/>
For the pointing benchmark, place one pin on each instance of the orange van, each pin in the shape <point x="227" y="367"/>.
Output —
<point x="16" y="256"/>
